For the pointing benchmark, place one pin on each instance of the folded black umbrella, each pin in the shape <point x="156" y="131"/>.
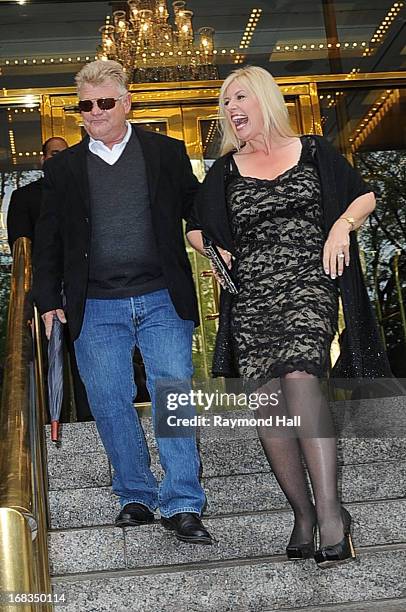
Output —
<point x="55" y="375"/>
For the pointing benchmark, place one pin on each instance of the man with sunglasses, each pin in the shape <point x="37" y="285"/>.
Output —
<point x="111" y="230"/>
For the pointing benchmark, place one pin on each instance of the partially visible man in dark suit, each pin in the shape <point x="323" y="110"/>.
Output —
<point x="25" y="203"/>
<point x="111" y="231"/>
<point x="23" y="213"/>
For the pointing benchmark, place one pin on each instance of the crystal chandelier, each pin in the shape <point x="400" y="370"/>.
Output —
<point x="151" y="49"/>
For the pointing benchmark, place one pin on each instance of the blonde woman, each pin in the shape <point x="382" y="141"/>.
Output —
<point x="284" y="209"/>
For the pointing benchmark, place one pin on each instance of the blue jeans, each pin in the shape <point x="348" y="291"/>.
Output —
<point x="111" y="329"/>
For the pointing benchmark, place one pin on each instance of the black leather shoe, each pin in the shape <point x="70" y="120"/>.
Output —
<point x="301" y="551"/>
<point x="134" y="514"/>
<point x="188" y="528"/>
<point x="327" y="556"/>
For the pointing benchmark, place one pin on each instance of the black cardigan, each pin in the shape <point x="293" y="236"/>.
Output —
<point x="362" y="354"/>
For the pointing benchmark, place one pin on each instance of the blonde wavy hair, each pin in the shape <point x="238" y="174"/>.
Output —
<point x="100" y="71"/>
<point x="261" y="84"/>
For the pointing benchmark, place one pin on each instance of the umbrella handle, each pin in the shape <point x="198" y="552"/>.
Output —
<point x="54" y="431"/>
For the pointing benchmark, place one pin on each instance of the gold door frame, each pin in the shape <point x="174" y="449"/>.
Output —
<point x="197" y="93"/>
<point x="154" y="102"/>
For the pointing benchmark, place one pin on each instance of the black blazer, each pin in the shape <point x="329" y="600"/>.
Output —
<point x="62" y="237"/>
<point x="23" y="211"/>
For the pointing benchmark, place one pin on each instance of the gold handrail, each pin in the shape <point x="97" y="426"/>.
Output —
<point x="23" y="502"/>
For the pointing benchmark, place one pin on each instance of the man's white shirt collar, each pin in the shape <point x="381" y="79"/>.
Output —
<point x="110" y="156"/>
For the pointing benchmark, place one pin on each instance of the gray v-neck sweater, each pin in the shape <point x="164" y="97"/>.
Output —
<point x="124" y="259"/>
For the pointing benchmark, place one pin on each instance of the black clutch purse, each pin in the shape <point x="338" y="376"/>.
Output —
<point x="219" y="264"/>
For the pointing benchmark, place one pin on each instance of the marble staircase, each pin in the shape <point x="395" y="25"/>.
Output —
<point x="100" y="567"/>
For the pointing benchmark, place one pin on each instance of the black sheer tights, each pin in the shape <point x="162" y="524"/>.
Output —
<point x="315" y="441"/>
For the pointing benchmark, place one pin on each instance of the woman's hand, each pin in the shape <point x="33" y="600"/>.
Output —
<point x="336" y="250"/>
<point x="227" y="257"/>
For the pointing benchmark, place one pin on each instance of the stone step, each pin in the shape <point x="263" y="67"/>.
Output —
<point x="73" y="466"/>
<point x="83" y="437"/>
<point x="381" y="605"/>
<point x="237" y="537"/>
<point x="254" y="586"/>
<point x="88" y="506"/>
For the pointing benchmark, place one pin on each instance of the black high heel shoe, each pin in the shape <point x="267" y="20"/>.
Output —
<point x="301" y="551"/>
<point x="327" y="556"/>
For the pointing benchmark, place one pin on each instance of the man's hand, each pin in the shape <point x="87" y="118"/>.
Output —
<point x="48" y="318"/>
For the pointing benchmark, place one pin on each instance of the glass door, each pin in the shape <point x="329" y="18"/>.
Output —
<point x="366" y="121"/>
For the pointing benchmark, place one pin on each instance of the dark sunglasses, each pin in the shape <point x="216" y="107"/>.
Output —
<point x="85" y="106"/>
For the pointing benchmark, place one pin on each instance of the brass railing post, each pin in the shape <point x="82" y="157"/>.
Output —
<point x="16" y="574"/>
<point x="23" y="530"/>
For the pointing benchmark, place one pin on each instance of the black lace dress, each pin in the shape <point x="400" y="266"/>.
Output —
<point x="285" y="314"/>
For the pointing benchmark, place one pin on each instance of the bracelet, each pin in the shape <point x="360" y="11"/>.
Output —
<point x="349" y="220"/>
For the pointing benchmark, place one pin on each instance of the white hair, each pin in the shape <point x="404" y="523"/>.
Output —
<point x="100" y="71"/>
